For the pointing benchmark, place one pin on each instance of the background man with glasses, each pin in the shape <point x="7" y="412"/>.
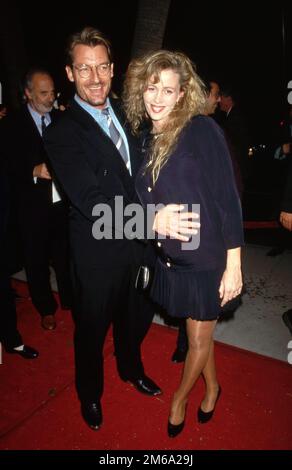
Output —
<point x="95" y="159"/>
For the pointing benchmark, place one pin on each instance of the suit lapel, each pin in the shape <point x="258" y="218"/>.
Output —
<point x="105" y="148"/>
<point x="135" y="153"/>
<point x="102" y="150"/>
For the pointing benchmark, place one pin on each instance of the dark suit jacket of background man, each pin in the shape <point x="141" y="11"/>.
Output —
<point x="91" y="171"/>
<point x="237" y="133"/>
<point x="23" y="146"/>
<point x="24" y="149"/>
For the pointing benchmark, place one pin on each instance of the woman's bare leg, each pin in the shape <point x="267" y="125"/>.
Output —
<point x="212" y="386"/>
<point x="200" y="338"/>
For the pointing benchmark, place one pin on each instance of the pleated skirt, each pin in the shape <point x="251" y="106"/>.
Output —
<point x="185" y="292"/>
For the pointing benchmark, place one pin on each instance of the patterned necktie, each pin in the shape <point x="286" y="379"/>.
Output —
<point x="43" y="125"/>
<point x="117" y="138"/>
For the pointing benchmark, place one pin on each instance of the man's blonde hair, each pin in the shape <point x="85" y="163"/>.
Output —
<point x="87" y="37"/>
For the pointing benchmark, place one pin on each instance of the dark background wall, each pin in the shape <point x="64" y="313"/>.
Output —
<point x="236" y="44"/>
<point x="240" y="46"/>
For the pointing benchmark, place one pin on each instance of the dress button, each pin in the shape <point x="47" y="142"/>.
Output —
<point x="149" y="189"/>
<point x="159" y="244"/>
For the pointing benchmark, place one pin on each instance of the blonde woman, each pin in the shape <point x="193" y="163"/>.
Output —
<point x="187" y="162"/>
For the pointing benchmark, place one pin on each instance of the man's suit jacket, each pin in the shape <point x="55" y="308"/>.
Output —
<point x="24" y="149"/>
<point x="91" y="171"/>
<point x="237" y="133"/>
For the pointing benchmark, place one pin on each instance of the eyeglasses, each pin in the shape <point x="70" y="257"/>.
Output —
<point x="85" y="71"/>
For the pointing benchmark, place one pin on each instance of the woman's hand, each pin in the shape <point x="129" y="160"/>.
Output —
<point x="172" y="222"/>
<point x="231" y="282"/>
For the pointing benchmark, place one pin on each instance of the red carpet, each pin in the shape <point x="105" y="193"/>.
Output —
<point x="40" y="410"/>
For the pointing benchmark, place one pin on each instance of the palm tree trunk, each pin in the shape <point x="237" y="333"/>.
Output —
<point x="150" y="26"/>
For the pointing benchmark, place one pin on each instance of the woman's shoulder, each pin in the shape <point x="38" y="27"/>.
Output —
<point x="201" y="125"/>
<point x="203" y="135"/>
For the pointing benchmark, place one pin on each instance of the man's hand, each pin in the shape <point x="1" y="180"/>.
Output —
<point x="286" y="220"/>
<point x="172" y="222"/>
<point x="41" y="171"/>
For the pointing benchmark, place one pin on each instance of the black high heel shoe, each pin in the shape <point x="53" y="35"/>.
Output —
<point x="205" y="416"/>
<point x="174" y="430"/>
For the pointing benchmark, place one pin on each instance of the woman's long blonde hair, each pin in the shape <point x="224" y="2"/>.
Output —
<point x="138" y="76"/>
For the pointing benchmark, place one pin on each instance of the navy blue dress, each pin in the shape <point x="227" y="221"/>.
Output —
<point x="199" y="171"/>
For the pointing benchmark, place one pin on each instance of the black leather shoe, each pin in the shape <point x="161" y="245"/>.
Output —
<point x="179" y="355"/>
<point x="92" y="414"/>
<point x="204" y="417"/>
<point x="146" y="385"/>
<point x="27" y="352"/>
<point x="174" y="430"/>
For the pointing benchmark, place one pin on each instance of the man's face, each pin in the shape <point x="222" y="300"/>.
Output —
<point x="94" y="62"/>
<point x="3" y="112"/>
<point x="213" y="99"/>
<point x="226" y="103"/>
<point x="41" y="94"/>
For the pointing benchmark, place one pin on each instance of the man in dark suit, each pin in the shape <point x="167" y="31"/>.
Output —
<point x="95" y="159"/>
<point x="42" y="215"/>
<point x="9" y="334"/>
<point x="235" y="128"/>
